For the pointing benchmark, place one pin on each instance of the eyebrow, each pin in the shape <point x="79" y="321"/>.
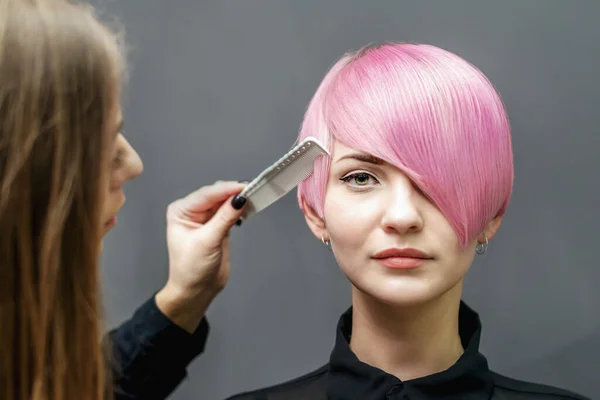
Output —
<point x="367" y="158"/>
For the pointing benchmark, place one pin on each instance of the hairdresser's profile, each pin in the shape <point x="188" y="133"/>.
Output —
<point x="63" y="163"/>
<point x="419" y="179"/>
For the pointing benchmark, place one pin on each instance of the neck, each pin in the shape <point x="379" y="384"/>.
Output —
<point x="408" y="342"/>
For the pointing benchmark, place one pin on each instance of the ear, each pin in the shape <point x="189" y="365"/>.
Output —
<point x="314" y="222"/>
<point x="490" y="230"/>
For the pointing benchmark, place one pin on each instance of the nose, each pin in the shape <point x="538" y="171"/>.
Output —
<point x="134" y="166"/>
<point x="402" y="214"/>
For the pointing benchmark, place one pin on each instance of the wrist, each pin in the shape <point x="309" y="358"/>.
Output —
<point x="188" y="293"/>
<point x="185" y="307"/>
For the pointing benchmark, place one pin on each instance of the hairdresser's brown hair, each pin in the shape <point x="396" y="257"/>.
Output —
<point x="60" y="72"/>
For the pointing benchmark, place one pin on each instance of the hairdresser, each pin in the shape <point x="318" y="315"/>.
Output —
<point x="63" y="164"/>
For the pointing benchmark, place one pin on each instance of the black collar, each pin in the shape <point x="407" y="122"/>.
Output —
<point x="468" y="379"/>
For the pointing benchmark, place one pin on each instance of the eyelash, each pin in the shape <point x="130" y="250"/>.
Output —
<point x="348" y="178"/>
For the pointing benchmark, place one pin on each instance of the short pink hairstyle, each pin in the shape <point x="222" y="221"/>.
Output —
<point x="429" y="113"/>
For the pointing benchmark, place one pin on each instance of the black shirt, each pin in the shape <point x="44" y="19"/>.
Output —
<point x="345" y="377"/>
<point x="150" y="354"/>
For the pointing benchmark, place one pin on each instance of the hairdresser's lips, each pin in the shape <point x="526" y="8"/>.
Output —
<point x="406" y="258"/>
<point x="110" y="223"/>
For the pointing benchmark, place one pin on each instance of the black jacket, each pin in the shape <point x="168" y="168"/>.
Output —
<point x="150" y="355"/>
<point x="347" y="378"/>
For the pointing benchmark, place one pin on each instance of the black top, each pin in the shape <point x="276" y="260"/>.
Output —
<point x="150" y="355"/>
<point x="345" y="377"/>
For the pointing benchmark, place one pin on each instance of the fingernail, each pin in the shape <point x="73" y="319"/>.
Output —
<point x="238" y="202"/>
<point x="239" y="222"/>
<point x="244" y="181"/>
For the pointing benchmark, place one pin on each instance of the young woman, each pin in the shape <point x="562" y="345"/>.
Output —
<point x="63" y="163"/>
<point x="419" y="178"/>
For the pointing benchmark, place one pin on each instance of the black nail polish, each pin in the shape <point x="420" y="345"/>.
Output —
<point x="238" y="202"/>
<point x="239" y="222"/>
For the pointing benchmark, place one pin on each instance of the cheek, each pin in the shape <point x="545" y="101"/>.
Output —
<point x="350" y="218"/>
<point x="114" y="180"/>
<point x="110" y="188"/>
<point x="105" y="196"/>
<point x="455" y="258"/>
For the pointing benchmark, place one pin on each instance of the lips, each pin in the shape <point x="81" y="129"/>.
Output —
<point x="406" y="258"/>
<point x="406" y="253"/>
<point x="111" y="222"/>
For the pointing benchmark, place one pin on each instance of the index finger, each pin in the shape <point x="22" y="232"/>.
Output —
<point x="210" y="196"/>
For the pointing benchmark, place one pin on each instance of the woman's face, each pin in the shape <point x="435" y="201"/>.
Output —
<point x="125" y="165"/>
<point x="387" y="237"/>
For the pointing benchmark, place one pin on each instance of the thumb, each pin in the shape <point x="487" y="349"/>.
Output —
<point x="225" y="217"/>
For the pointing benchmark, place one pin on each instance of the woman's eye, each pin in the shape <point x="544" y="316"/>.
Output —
<point x="359" y="179"/>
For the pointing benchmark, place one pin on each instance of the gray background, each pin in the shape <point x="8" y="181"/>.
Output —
<point x="218" y="90"/>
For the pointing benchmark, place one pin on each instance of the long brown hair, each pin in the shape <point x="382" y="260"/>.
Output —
<point x="60" y="73"/>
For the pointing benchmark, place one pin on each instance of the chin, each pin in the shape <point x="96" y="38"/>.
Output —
<point x="402" y="291"/>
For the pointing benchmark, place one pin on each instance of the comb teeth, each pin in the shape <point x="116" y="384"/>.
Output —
<point x="283" y="176"/>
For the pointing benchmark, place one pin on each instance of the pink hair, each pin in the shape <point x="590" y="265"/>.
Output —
<point x="429" y="113"/>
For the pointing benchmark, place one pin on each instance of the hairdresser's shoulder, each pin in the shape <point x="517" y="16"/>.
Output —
<point x="309" y="386"/>
<point x="514" y="389"/>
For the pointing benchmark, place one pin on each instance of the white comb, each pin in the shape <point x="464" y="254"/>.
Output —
<point x="283" y="176"/>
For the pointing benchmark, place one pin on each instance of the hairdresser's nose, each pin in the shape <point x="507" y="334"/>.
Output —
<point x="402" y="214"/>
<point x="134" y="166"/>
<point x="130" y="166"/>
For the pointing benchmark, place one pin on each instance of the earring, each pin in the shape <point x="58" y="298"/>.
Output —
<point x="482" y="247"/>
<point x="327" y="243"/>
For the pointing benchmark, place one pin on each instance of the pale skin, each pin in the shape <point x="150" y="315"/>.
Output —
<point x="405" y="322"/>
<point x="198" y="228"/>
